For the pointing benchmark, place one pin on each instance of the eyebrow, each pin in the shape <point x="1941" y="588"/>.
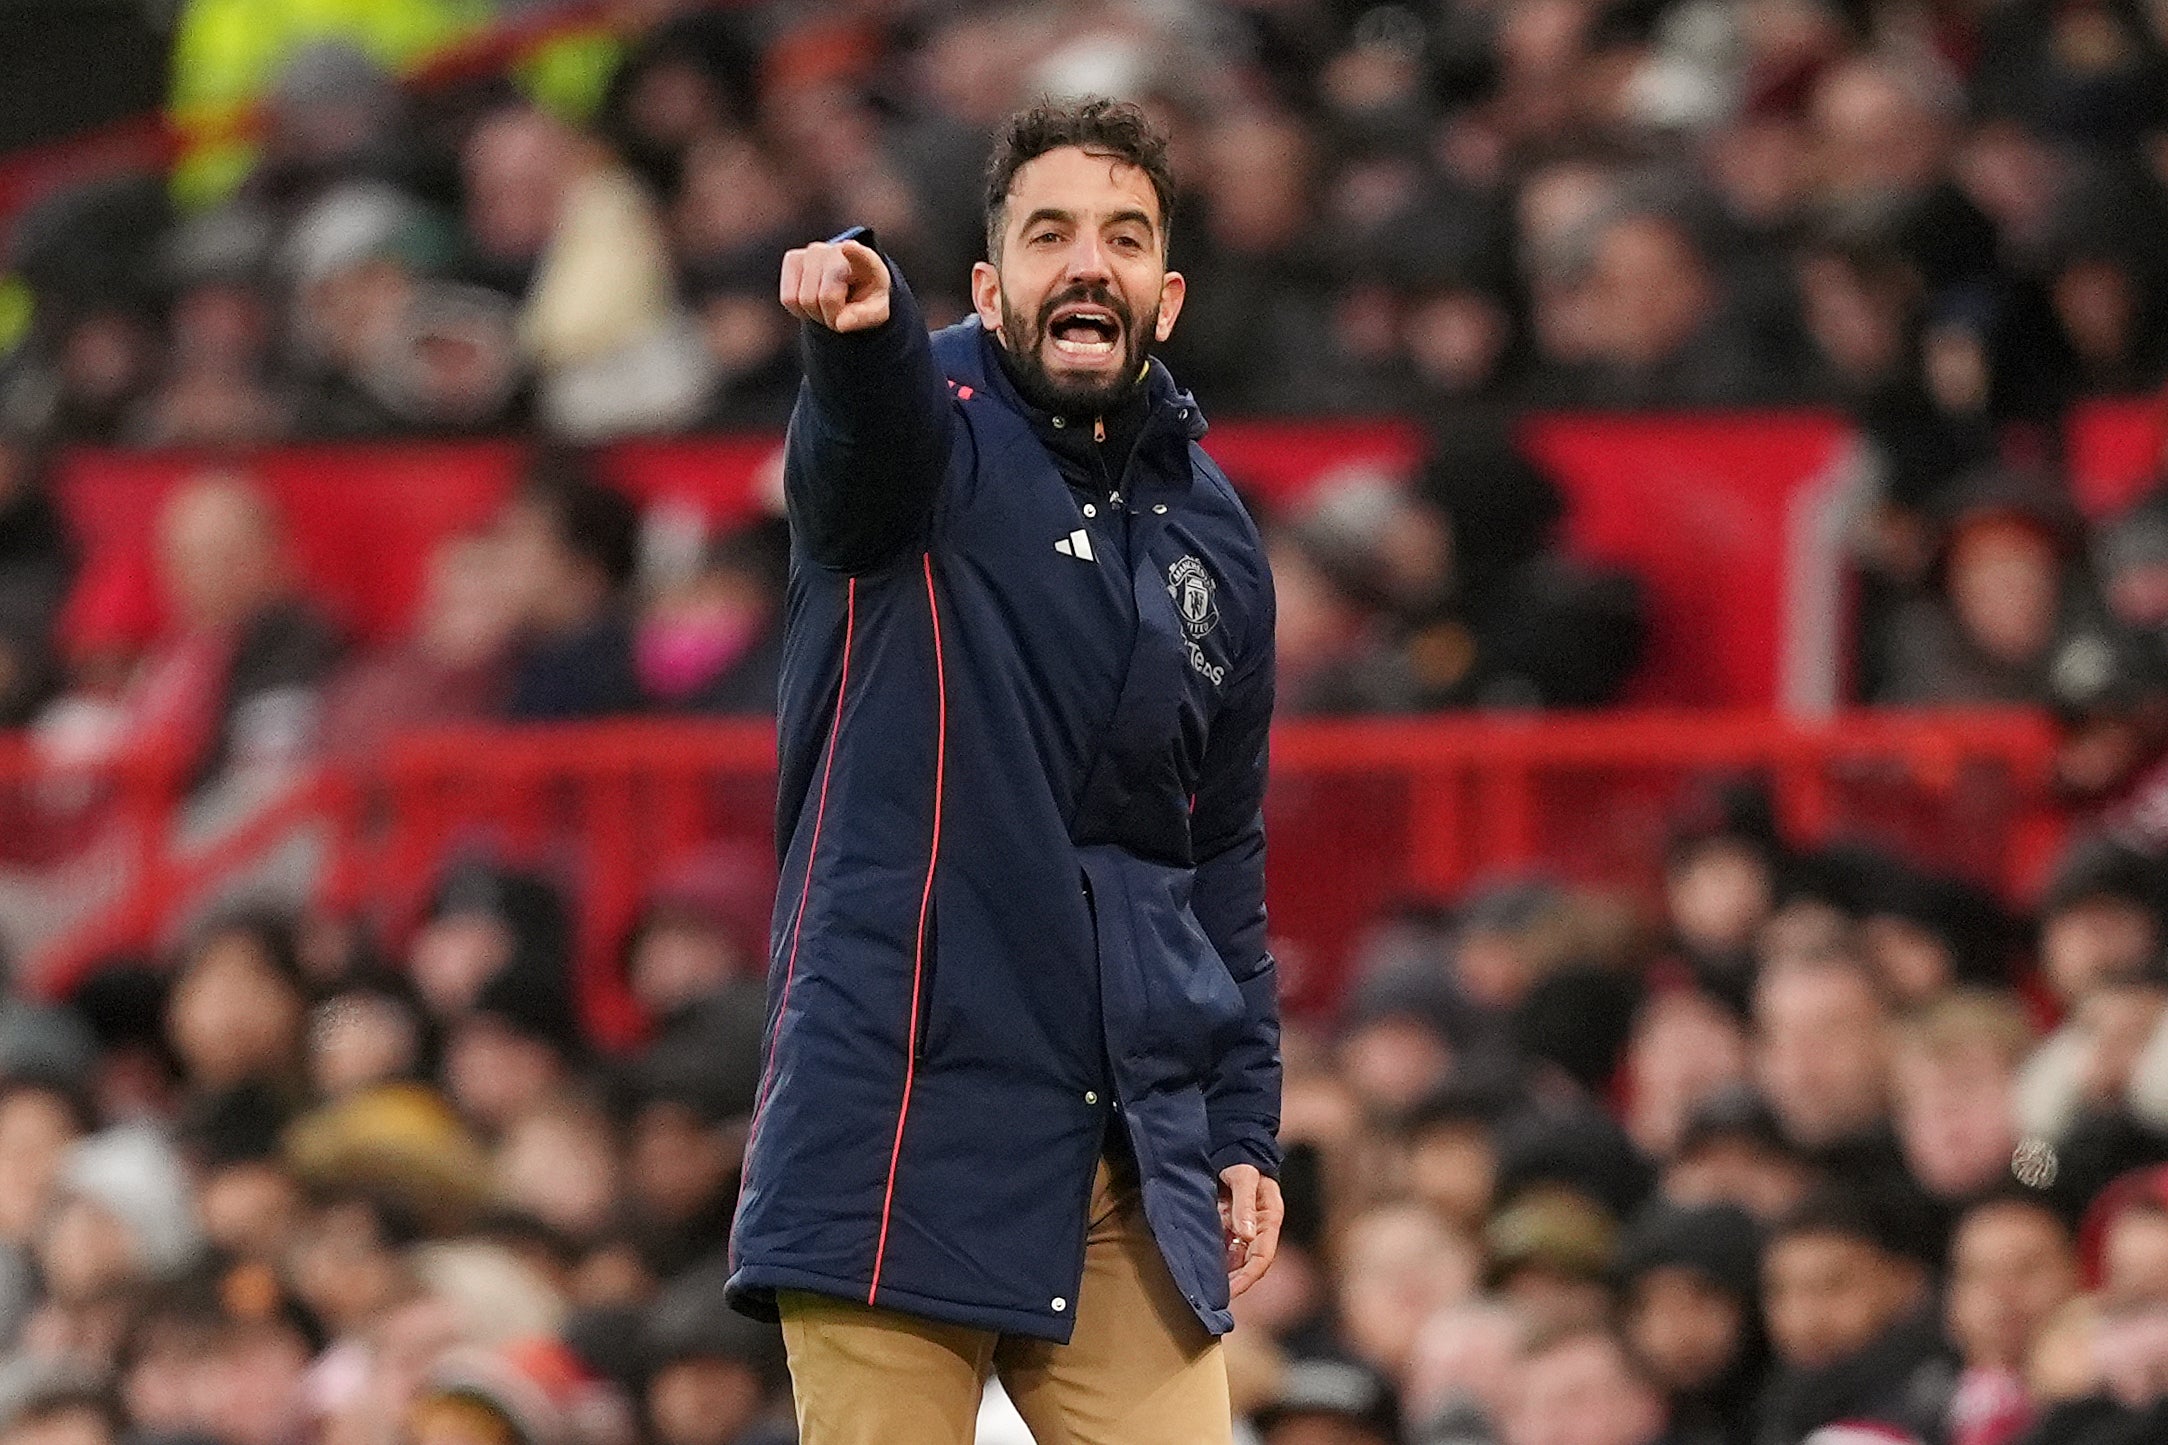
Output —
<point x="1068" y="218"/>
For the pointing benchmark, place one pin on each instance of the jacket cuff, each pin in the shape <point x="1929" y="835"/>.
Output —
<point x="1262" y="1152"/>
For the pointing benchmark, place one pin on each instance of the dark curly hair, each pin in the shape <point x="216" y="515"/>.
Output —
<point x="1116" y="129"/>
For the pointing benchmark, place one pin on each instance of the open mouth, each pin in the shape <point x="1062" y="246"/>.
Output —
<point x="1085" y="333"/>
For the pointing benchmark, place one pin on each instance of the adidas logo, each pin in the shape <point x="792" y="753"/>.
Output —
<point x="1077" y="544"/>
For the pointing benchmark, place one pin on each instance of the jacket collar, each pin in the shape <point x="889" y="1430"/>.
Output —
<point x="969" y="354"/>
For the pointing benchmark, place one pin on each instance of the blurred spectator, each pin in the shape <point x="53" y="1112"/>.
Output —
<point x="370" y="1029"/>
<point x="314" y="65"/>
<point x="1926" y="933"/>
<point x="2105" y="283"/>
<point x="1883" y="127"/>
<point x="238" y="1010"/>
<point x="1551" y="1254"/>
<point x="685" y="1144"/>
<point x="513" y="1048"/>
<point x="554" y="223"/>
<point x="1685" y="1048"/>
<point x="689" y="78"/>
<point x="713" y="642"/>
<point x="2099" y="921"/>
<point x="450" y="669"/>
<point x="2131" y="548"/>
<point x="530" y="1391"/>
<point x="1954" y="1075"/>
<point x="218" y="388"/>
<point x="1823" y="1048"/>
<point x="1845" y="1313"/>
<point x="122" y="1218"/>
<point x="2097" y="1075"/>
<point x="1255" y="183"/>
<point x="1452" y="1151"/>
<point x="712" y="1375"/>
<point x="484" y="923"/>
<point x="2012" y="1266"/>
<point x="354" y="261"/>
<point x="750" y="347"/>
<point x="1397" y="1266"/>
<point x="1690" y="1309"/>
<point x="557" y="1165"/>
<point x="568" y="544"/>
<point x="251" y="1203"/>
<point x="59" y="1405"/>
<point x="1721" y="884"/>
<point x="1654" y="330"/>
<point x="1732" y="1151"/>
<point x="2006" y="589"/>
<point x="234" y="683"/>
<point x="1461" y="1378"/>
<point x="1330" y="1402"/>
<point x="1450" y="596"/>
<point x="1580" y="1386"/>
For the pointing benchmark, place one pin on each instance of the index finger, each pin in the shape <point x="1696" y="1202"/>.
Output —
<point x="865" y="262"/>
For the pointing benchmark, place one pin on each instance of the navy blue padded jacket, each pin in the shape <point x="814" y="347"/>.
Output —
<point x="1023" y="734"/>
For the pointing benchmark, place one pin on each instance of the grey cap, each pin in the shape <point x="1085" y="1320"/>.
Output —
<point x="134" y="1174"/>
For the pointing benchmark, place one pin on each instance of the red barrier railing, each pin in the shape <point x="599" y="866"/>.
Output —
<point x="1363" y="813"/>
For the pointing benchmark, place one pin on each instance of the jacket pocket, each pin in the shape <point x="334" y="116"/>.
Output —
<point x="927" y="967"/>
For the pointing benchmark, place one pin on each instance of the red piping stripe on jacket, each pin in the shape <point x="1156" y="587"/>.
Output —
<point x="925" y="904"/>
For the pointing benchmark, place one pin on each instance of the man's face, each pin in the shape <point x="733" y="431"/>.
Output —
<point x="2134" y="1259"/>
<point x="2092" y="939"/>
<point x="1822" y="1051"/>
<point x="1684" y="1325"/>
<point x="1582" y="1393"/>
<point x="703" y="1401"/>
<point x="1720" y="895"/>
<point x="1399" y="1266"/>
<point x="1954" y="1115"/>
<point x="1829" y="1296"/>
<point x="1081" y="287"/>
<point x="2011" y="1267"/>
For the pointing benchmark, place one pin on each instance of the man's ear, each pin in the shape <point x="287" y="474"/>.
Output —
<point x="986" y="296"/>
<point x="1172" y="288"/>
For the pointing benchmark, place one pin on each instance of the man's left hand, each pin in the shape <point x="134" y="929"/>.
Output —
<point x="1250" y="1213"/>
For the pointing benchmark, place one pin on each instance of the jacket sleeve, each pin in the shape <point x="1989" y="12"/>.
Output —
<point x="1227" y="830"/>
<point x="869" y="439"/>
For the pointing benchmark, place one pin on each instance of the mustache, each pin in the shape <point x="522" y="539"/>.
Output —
<point x="1092" y="295"/>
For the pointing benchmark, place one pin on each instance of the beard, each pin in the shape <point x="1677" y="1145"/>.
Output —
<point x="1026" y="344"/>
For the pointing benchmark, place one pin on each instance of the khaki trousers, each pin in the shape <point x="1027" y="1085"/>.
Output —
<point x="1138" y="1370"/>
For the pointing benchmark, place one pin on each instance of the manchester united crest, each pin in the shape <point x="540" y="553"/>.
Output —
<point x="1195" y="596"/>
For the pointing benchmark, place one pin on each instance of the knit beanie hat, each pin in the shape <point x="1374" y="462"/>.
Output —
<point x="1719" y="1242"/>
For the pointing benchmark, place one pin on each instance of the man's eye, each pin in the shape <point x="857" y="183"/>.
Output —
<point x="1044" y="236"/>
<point x="1129" y="243"/>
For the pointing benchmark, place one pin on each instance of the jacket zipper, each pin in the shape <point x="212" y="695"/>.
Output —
<point x="1099" y="458"/>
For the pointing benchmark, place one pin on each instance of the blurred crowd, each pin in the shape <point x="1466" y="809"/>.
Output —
<point x="1821" y="1145"/>
<point x="1828" y="1146"/>
<point x="1814" y="1145"/>
<point x="1945" y="215"/>
<point x="1944" y="219"/>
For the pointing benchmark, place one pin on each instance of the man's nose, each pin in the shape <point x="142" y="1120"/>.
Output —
<point x="1088" y="261"/>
